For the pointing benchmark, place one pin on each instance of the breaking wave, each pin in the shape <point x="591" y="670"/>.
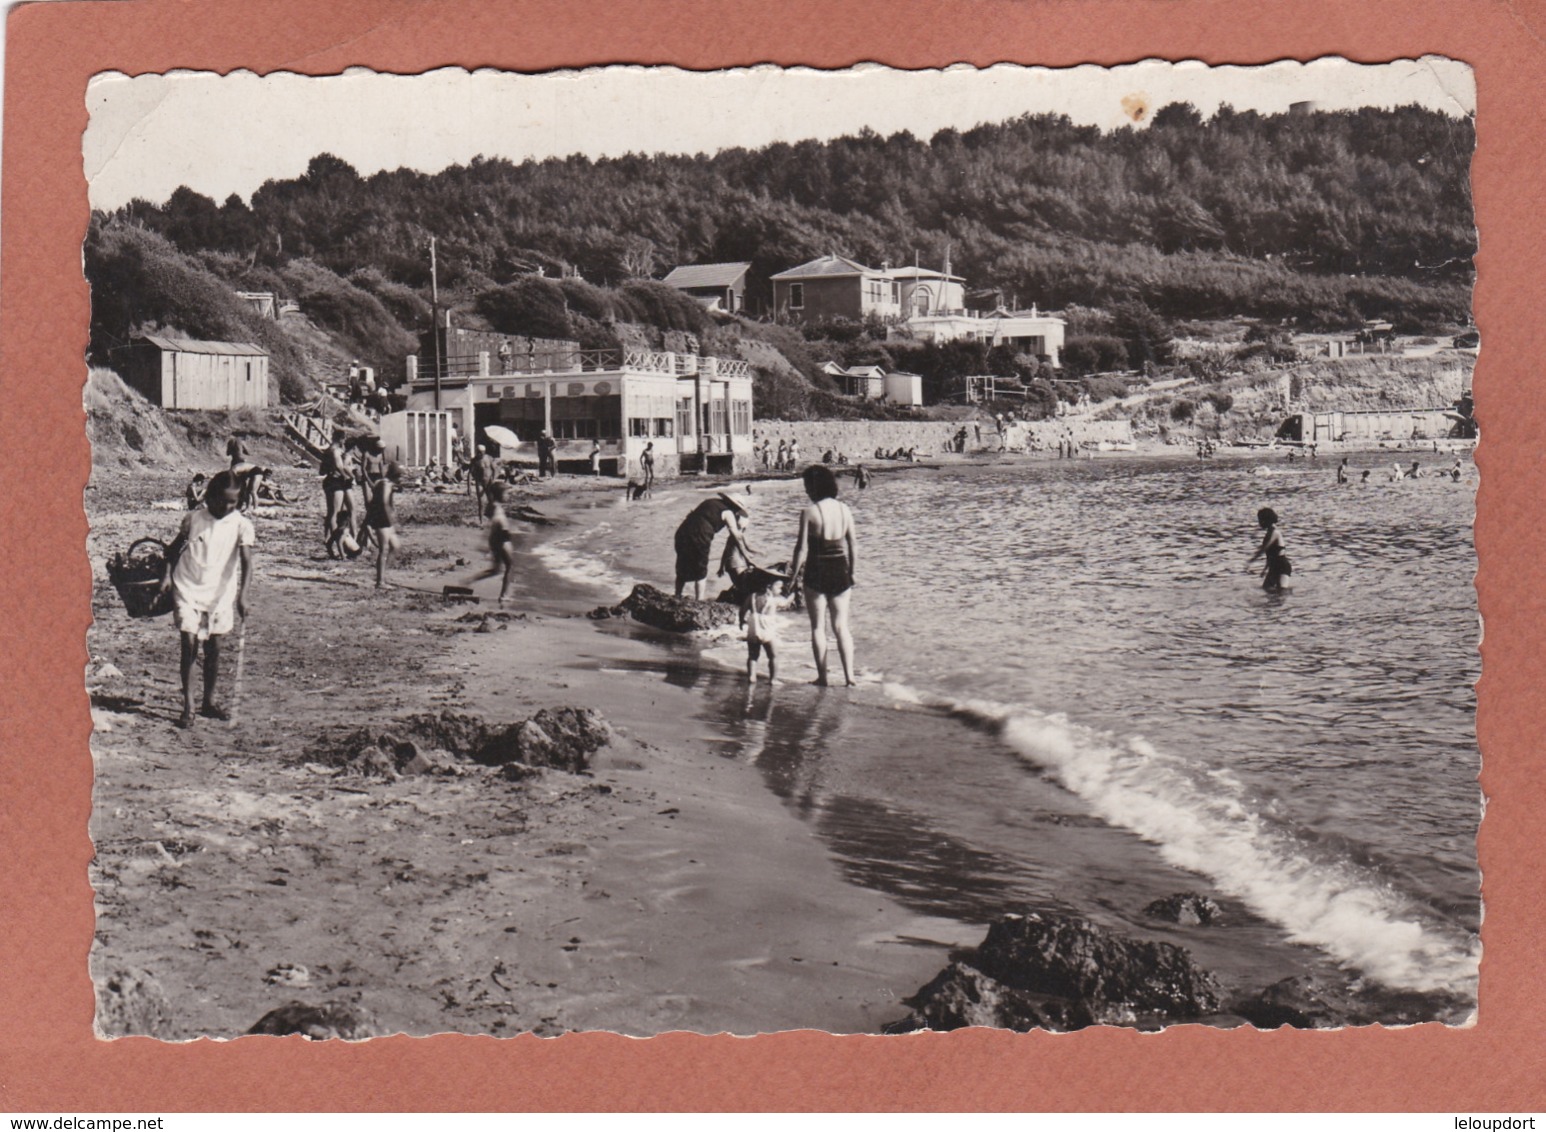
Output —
<point x="1203" y="820"/>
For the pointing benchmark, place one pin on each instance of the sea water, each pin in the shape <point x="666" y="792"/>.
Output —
<point x="1075" y="697"/>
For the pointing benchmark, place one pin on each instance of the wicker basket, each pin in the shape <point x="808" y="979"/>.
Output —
<point x="136" y="575"/>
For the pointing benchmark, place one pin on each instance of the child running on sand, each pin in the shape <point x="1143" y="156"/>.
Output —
<point x="1278" y="566"/>
<point x="500" y="541"/>
<point x="756" y="618"/>
<point x="381" y="517"/>
<point x="208" y="566"/>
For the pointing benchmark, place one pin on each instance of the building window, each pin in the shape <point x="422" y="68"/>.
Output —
<point x="796" y="296"/>
<point x="741" y="417"/>
<point x="664" y="426"/>
<point x="639" y="426"/>
<point x="684" y="417"/>
<point x="586" y="428"/>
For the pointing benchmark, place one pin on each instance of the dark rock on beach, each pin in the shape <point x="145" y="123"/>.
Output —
<point x="432" y="760"/>
<point x="562" y="738"/>
<point x="962" y="996"/>
<point x="1300" y="1002"/>
<point x="1185" y="908"/>
<point x="372" y="762"/>
<point x="131" y="1001"/>
<point x="660" y="610"/>
<point x="318" y="1023"/>
<point x="1307" y="1003"/>
<point x="1034" y="971"/>
<point x="559" y="738"/>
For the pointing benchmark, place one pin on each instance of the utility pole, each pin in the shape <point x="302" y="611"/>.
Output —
<point x="434" y="317"/>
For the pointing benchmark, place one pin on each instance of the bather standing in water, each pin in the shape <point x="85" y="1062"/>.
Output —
<point x="1278" y="566"/>
<point x="825" y="549"/>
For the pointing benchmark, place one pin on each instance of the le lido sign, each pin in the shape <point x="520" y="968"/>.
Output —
<point x="571" y="389"/>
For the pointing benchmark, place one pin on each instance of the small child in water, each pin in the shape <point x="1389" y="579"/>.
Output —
<point x="756" y="617"/>
<point x="1278" y="566"/>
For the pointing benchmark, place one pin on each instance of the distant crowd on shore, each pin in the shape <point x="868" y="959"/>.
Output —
<point x="209" y="563"/>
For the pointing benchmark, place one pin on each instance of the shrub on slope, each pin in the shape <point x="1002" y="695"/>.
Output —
<point x="140" y="282"/>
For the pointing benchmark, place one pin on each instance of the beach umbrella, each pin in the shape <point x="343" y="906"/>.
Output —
<point x="501" y="436"/>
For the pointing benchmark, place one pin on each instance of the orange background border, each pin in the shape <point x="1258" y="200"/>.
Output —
<point x="49" y="1060"/>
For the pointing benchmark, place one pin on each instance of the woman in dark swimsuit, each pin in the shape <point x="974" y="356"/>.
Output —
<point x="695" y="539"/>
<point x="337" y="479"/>
<point x="1278" y="566"/>
<point x="825" y="549"/>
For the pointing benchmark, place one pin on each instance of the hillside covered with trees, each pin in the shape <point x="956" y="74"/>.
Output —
<point x="1323" y="219"/>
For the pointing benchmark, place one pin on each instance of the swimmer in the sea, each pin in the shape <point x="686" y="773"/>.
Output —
<point x="1278" y="566"/>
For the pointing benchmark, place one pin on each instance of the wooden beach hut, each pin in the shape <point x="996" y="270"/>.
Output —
<point x="185" y="373"/>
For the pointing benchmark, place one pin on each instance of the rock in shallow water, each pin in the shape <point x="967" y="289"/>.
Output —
<point x="661" y="610"/>
<point x="1034" y="971"/>
<point x="1186" y="908"/>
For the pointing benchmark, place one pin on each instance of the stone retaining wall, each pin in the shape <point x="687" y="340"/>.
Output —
<point x="860" y="439"/>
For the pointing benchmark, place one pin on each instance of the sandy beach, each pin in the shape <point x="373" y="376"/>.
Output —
<point x="240" y="870"/>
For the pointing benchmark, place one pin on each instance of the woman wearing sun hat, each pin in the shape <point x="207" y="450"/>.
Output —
<point x="695" y="537"/>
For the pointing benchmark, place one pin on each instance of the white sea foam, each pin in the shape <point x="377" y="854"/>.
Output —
<point x="563" y="558"/>
<point x="1203" y="821"/>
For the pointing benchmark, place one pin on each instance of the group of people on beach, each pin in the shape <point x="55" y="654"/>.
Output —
<point x="359" y="486"/>
<point x="785" y="459"/>
<point x="821" y="569"/>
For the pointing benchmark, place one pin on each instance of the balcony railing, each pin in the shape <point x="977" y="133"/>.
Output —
<point x="628" y="360"/>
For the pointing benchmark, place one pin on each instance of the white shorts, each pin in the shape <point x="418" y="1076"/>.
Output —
<point x="204" y="623"/>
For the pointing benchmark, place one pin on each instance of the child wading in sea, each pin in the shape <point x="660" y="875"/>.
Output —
<point x="208" y="566"/>
<point x="500" y="540"/>
<point x="756" y="617"/>
<point x="1278" y="566"/>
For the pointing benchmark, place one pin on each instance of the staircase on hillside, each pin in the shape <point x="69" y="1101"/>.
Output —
<point x="313" y="433"/>
<point x="314" y="426"/>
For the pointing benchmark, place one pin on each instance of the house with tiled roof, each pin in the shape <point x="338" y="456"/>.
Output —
<point x="834" y="286"/>
<point x="718" y="286"/>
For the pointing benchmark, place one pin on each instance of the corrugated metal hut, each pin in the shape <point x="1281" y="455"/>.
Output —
<point x="184" y="373"/>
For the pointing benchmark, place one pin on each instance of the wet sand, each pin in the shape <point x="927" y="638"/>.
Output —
<point x="668" y="889"/>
